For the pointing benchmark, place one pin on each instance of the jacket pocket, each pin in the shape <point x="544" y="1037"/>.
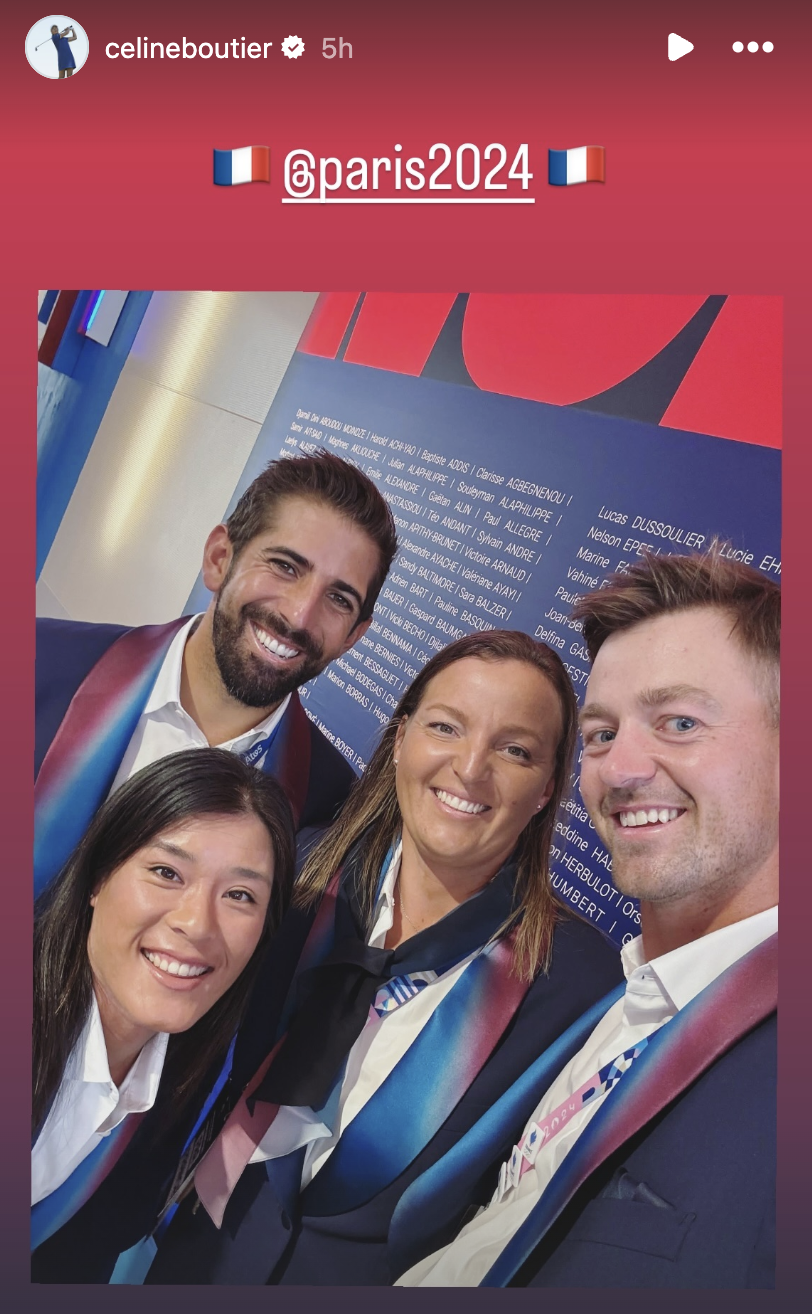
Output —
<point x="632" y="1225"/>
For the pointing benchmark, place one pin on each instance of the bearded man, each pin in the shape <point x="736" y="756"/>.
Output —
<point x="295" y="572"/>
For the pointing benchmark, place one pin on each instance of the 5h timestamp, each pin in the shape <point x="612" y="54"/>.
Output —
<point x="336" y="48"/>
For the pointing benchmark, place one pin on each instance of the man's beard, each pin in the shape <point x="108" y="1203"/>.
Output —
<point x="248" y="678"/>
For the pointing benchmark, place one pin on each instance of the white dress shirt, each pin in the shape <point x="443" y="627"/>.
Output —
<point x="164" y="726"/>
<point x="380" y="1046"/>
<point x="89" y="1105"/>
<point x="655" y="992"/>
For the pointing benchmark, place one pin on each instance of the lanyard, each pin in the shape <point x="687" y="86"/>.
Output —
<point x="541" y="1133"/>
<point x="253" y="755"/>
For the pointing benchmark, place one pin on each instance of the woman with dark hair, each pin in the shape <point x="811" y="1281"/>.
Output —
<point x="145" y="949"/>
<point x="434" y="963"/>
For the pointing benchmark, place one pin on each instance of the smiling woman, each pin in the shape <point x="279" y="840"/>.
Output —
<point x="436" y="965"/>
<point x="469" y="773"/>
<point x="145" y="949"/>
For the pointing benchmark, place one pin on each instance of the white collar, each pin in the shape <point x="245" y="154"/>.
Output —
<point x="390" y="880"/>
<point x="384" y="914"/>
<point x="165" y="692"/>
<point x="88" y="1063"/>
<point x="683" y="972"/>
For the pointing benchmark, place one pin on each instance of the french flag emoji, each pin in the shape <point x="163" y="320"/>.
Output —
<point x="246" y="164"/>
<point x="579" y="165"/>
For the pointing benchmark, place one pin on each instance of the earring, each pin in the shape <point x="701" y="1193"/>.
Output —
<point x="394" y="761"/>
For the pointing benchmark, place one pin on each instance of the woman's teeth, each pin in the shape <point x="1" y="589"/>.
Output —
<point x="649" y="817"/>
<point x="173" y="967"/>
<point x="459" y="804"/>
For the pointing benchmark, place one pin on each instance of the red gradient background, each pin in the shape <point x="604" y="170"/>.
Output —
<point x="108" y="183"/>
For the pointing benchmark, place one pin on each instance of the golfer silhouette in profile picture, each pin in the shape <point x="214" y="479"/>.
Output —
<point x="64" y="54"/>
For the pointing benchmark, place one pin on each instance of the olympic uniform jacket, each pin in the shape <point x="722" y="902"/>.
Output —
<point x="273" y="1233"/>
<point x="92" y="682"/>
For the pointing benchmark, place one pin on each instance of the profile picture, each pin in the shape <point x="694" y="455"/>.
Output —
<point x="56" y="46"/>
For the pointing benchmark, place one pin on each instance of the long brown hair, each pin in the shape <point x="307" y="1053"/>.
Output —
<point x="199" y="782"/>
<point x="371" y="814"/>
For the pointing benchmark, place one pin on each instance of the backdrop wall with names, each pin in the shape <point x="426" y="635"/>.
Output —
<point x="509" y="507"/>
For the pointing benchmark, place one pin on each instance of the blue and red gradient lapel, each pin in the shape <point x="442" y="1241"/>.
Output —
<point x="676" y="1056"/>
<point x="429" y="1213"/>
<point x="85" y="754"/>
<point x="288" y="757"/>
<point x="81" y="764"/>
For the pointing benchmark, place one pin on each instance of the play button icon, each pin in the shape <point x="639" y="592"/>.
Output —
<point x="678" y="46"/>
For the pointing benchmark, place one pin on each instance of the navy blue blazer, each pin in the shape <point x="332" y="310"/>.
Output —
<point x="687" y="1202"/>
<point x="265" y="1237"/>
<point x="68" y="650"/>
<point x="124" y="1207"/>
